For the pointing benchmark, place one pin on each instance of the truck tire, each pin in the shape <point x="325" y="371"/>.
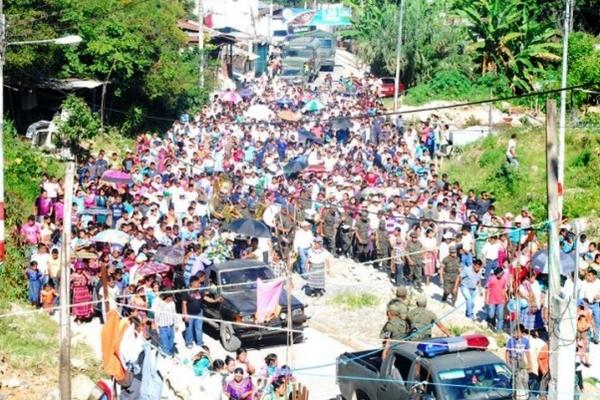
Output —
<point x="229" y="341"/>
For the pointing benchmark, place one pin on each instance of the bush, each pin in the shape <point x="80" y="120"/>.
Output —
<point x="24" y="167"/>
<point x="354" y="301"/>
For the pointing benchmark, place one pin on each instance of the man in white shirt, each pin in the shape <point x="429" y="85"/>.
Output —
<point x="490" y="252"/>
<point x="590" y="292"/>
<point x="302" y="242"/>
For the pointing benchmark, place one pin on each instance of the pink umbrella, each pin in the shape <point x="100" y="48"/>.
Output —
<point x="153" y="268"/>
<point x="115" y="176"/>
<point x="231" y="97"/>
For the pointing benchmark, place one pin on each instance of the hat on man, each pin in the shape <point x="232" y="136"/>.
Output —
<point x="452" y="249"/>
<point x="421" y="300"/>
<point x="318" y="239"/>
<point x="401" y="291"/>
<point x="396" y="307"/>
<point x="414" y="234"/>
<point x="448" y="235"/>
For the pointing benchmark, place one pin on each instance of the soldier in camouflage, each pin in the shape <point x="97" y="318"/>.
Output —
<point x="361" y="237"/>
<point x="421" y="321"/>
<point x="450" y="274"/>
<point x="396" y="327"/>
<point x="414" y="260"/>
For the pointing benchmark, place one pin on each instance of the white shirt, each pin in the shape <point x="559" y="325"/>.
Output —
<point x="511" y="148"/>
<point x="303" y="239"/>
<point x="590" y="291"/>
<point x="490" y="251"/>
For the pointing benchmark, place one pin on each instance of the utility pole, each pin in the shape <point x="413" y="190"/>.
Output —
<point x="563" y="106"/>
<point x="562" y="310"/>
<point x="200" y="9"/>
<point x="2" y="58"/>
<point x="64" y="376"/>
<point x="398" y="52"/>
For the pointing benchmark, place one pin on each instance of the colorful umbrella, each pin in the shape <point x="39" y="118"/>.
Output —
<point x="259" y="112"/>
<point x="171" y="255"/>
<point x="313" y="106"/>
<point x="115" y="176"/>
<point x="153" y="268"/>
<point x="112" y="236"/>
<point x="249" y="227"/>
<point x="567" y="261"/>
<point x="246" y="93"/>
<point x="284" y="101"/>
<point x="231" y="97"/>
<point x="289" y="115"/>
<point x="295" y="165"/>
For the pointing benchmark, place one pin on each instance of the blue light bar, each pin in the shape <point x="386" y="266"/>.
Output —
<point x="435" y="347"/>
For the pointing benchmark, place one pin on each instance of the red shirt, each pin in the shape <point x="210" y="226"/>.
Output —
<point x="496" y="288"/>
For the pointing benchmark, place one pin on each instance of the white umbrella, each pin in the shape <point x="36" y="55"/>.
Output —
<point x="112" y="236"/>
<point x="259" y="112"/>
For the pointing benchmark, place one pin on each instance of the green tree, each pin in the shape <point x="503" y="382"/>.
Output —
<point x="432" y="39"/>
<point x="508" y="37"/>
<point x="134" y="44"/>
<point x="76" y="124"/>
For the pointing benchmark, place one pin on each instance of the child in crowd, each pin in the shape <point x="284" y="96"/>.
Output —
<point x="48" y="296"/>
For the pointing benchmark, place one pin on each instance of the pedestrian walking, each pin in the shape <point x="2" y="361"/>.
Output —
<point x="470" y="286"/>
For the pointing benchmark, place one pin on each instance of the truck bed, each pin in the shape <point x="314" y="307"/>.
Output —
<point x="362" y="364"/>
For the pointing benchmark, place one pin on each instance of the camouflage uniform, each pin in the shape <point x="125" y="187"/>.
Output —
<point x="345" y="234"/>
<point x="362" y="238"/>
<point x="421" y="321"/>
<point x="329" y="229"/>
<point x="415" y="271"/>
<point x="451" y="267"/>
<point x="383" y="245"/>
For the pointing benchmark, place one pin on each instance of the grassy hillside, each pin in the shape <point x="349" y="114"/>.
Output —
<point x="479" y="166"/>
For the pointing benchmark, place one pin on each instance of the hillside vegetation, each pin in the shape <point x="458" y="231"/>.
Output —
<point x="480" y="166"/>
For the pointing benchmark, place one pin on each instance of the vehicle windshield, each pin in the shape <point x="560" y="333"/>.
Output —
<point x="488" y="381"/>
<point x="291" y="72"/>
<point x="387" y="81"/>
<point x="282" y="33"/>
<point x="303" y="53"/>
<point x="326" y="43"/>
<point x="243" y="279"/>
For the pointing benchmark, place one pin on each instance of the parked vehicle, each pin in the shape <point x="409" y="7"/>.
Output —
<point x="328" y="44"/>
<point x="235" y="281"/>
<point x="386" y="87"/>
<point x="295" y="72"/>
<point x="441" y="369"/>
<point x="307" y="49"/>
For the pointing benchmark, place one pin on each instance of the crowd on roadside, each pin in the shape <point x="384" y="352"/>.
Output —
<point x="344" y="180"/>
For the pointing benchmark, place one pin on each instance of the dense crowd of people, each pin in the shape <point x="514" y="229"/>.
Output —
<point x="337" y="179"/>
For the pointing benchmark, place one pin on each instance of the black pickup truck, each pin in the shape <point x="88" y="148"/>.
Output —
<point x="235" y="282"/>
<point x="411" y="371"/>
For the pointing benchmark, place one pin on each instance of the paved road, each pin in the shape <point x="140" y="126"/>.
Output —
<point x="316" y="350"/>
<point x="345" y="64"/>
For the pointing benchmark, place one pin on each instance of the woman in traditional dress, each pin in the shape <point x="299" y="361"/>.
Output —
<point x="430" y="246"/>
<point x="80" y="285"/>
<point x="317" y="266"/>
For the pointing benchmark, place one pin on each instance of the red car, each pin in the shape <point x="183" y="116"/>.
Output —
<point x="386" y="87"/>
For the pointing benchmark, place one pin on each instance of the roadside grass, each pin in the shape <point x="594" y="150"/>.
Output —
<point x="480" y="166"/>
<point x="354" y="301"/>
<point x="30" y="343"/>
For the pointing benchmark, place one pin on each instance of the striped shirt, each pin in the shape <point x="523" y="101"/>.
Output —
<point x="164" y="312"/>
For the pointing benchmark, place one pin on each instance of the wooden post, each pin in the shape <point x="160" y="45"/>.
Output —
<point x="64" y="375"/>
<point x="104" y="277"/>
